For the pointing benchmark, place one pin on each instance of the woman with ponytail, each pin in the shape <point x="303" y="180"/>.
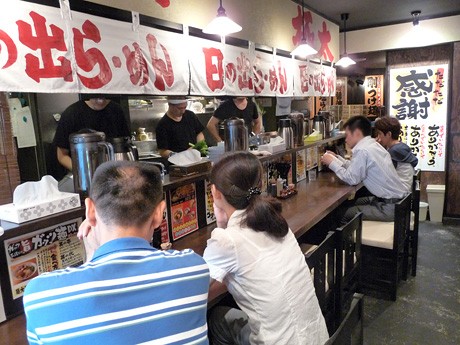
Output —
<point x="255" y="255"/>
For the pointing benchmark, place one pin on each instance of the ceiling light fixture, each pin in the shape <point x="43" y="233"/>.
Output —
<point x="221" y="24"/>
<point x="345" y="61"/>
<point x="415" y="17"/>
<point x="303" y="49"/>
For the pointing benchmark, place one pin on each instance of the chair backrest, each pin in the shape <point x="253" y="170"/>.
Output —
<point x="348" y="238"/>
<point x="322" y="263"/>
<point x="350" y="330"/>
<point x="415" y="207"/>
<point x="402" y="221"/>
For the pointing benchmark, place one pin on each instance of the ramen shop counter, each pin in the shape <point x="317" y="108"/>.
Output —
<point x="31" y="248"/>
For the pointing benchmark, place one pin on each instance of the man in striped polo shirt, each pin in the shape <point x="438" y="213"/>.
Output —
<point x="129" y="292"/>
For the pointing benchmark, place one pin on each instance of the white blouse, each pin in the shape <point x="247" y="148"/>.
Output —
<point x="270" y="281"/>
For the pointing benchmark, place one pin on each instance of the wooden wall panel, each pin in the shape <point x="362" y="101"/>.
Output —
<point x="9" y="170"/>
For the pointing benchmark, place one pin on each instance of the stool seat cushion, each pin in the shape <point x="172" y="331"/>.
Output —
<point x="378" y="234"/>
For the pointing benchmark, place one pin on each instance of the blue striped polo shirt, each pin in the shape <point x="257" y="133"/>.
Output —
<point x="129" y="293"/>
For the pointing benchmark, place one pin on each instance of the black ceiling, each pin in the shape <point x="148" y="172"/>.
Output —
<point x="371" y="13"/>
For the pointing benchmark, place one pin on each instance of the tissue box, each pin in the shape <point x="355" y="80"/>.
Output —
<point x="12" y="213"/>
<point x="191" y="169"/>
<point x="273" y="148"/>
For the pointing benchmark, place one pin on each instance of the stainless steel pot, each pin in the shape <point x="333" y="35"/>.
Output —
<point x="88" y="150"/>
<point x="285" y="132"/>
<point x="297" y="124"/>
<point x="236" y="136"/>
<point x="124" y="150"/>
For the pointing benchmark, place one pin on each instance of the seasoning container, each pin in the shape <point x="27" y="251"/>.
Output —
<point x="279" y="186"/>
<point x="141" y="135"/>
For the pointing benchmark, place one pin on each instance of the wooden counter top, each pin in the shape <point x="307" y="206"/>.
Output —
<point x="314" y="201"/>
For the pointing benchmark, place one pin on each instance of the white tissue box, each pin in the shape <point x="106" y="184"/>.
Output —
<point x="273" y="148"/>
<point x="15" y="214"/>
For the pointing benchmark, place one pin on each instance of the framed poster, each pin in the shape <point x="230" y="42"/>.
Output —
<point x="183" y="210"/>
<point x="301" y="172"/>
<point x="210" y="217"/>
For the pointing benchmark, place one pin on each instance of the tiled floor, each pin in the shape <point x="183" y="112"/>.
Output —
<point x="427" y="310"/>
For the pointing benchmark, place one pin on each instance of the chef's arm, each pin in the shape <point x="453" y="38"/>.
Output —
<point x="199" y="137"/>
<point x="257" y="125"/>
<point x="165" y="153"/>
<point x="212" y="128"/>
<point x="63" y="158"/>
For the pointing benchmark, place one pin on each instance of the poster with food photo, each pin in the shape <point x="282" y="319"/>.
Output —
<point x="301" y="173"/>
<point x="41" y="251"/>
<point x="183" y="210"/>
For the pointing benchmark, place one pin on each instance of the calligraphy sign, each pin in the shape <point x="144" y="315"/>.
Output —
<point x="418" y="99"/>
<point x="313" y="80"/>
<point x="373" y="92"/>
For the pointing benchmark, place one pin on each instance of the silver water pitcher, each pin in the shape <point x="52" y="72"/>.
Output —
<point x="285" y="132"/>
<point x="236" y="135"/>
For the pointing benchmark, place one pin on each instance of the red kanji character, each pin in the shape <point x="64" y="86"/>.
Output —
<point x="297" y="23"/>
<point x="87" y="59"/>
<point x="282" y="78"/>
<point x="230" y="72"/>
<point x="11" y="47"/>
<point x="213" y="58"/>
<point x="325" y="37"/>
<point x="136" y="65"/>
<point x="244" y="66"/>
<point x="45" y="43"/>
<point x="164" y="73"/>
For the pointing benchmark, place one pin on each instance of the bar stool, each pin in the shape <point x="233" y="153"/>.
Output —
<point x="384" y="251"/>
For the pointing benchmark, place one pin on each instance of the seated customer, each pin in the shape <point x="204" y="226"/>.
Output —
<point x="371" y="164"/>
<point x="254" y="254"/>
<point x="388" y="129"/>
<point x="129" y="293"/>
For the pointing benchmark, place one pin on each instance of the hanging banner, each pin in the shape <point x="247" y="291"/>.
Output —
<point x="311" y="79"/>
<point x="418" y="99"/>
<point x="206" y="67"/>
<point x="263" y="77"/>
<point x="41" y="52"/>
<point x="282" y="77"/>
<point x="373" y="93"/>
<point x="238" y="71"/>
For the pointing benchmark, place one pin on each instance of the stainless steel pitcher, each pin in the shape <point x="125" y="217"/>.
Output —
<point x="285" y="132"/>
<point x="297" y="124"/>
<point x="124" y="149"/>
<point x="318" y="124"/>
<point x="88" y="150"/>
<point x="236" y="136"/>
<point x="328" y="120"/>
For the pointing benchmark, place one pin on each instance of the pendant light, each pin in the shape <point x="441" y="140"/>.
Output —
<point x="221" y="24"/>
<point x="345" y="61"/>
<point x="303" y="49"/>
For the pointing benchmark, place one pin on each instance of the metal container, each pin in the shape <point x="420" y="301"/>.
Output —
<point x="88" y="151"/>
<point x="297" y="124"/>
<point x="285" y="132"/>
<point x="328" y="122"/>
<point x="263" y="138"/>
<point x="124" y="150"/>
<point x="307" y="124"/>
<point x="236" y="136"/>
<point x="318" y="124"/>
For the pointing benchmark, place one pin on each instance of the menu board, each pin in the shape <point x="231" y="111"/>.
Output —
<point x="312" y="157"/>
<point x="41" y="251"/>
<point x="183" y="210"/>
<point x="210" y="217"/>
<point x="301" y="173"/>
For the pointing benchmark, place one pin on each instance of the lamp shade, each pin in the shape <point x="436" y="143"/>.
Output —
<point x="222" y="25"/>
<point x="303" y="49"/>
<point x="345" y="61"/>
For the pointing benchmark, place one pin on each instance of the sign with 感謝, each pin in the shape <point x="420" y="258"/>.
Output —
<point x="418" y="99"/>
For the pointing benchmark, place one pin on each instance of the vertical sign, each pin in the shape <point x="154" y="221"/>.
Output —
<point x="374" y="90"/>
<point x="183" y="210"/>
<point x="418" y="99"/>
<point x="210" y="216"/>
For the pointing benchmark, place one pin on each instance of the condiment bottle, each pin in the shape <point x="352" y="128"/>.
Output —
<point x="141" y="135"/>
<point x="279" y="186"/>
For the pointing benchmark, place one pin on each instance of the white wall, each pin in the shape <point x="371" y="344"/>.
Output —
<point x="429" y="32"/>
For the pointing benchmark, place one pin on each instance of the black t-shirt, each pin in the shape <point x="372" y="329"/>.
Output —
<point x="176" y="136"/>
<point x="79" y="115"/>
<point x="228" y="109"/>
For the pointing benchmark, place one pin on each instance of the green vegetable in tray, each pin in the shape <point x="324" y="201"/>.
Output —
<point x="200" y="146"/>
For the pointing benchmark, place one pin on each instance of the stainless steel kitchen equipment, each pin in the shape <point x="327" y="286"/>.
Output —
<point x="285" y="132"/>
<point x="297" y="124"/>
<point x="88" y="150"/>
<point x="124" y="150"/>
<point x="236" y="136"/>
<point x="318" y="124"/>
<point x="328" y="122"/>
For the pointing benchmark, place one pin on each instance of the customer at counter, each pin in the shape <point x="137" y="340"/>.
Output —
<point x="254" y="254"/>
<point x="129" y="292"/>
<point x="96" y="112"/>
<point x="370" y="164"/>
<point x="388" y="129"/>
<point x="178" y="128"/>
<point x="239" y="107"/>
